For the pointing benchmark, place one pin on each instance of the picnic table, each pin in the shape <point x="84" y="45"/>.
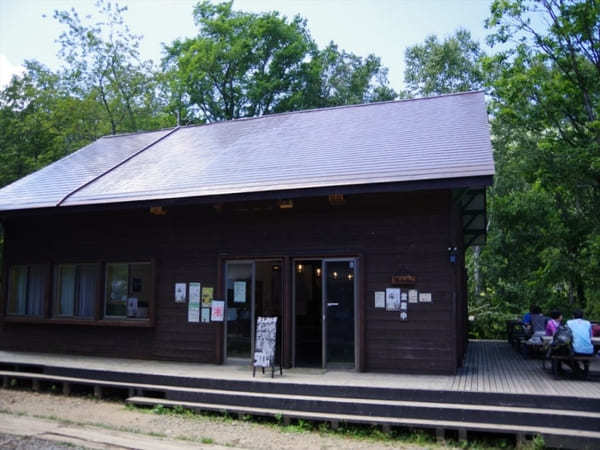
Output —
<point x="555" y="360"/>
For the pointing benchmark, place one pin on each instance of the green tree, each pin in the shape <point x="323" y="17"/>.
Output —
<point x="102" y="60"/>
<point x="41" y="122"/>
<point x="435" y="67"/>
<point x="545" y="103"/>
<point x="243" y="64"/>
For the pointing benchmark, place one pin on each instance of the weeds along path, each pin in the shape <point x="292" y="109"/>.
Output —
<point x="211" y="431"/>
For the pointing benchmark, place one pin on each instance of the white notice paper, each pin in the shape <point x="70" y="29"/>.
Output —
<point x="194" y="310"/>
<point x="217" y="310"/>
<point x="379" y="299"/>
<point x="425" y="297"/>
<point x="413" y="296"/>
<point x="180" y="289"/>
<point x="392" y="299"/>
<point x="239" y="292"/>
<point x="194" y="292"/>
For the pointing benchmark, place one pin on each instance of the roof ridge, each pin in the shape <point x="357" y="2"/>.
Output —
<point x="329" y="108"/>
<point x="120" y="163"/>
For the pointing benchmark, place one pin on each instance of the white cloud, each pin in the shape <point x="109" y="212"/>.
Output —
<point x="7" y="70"/>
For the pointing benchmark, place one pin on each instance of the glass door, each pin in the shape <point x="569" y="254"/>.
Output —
<point x="339" y="298"/>
<point x="253" y="288"/>
<point x="239" y="277"/>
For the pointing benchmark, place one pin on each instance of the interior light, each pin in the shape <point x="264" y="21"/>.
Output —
<point x="286" y="204"/>
<point x="350" y="276"/>
<point x="335" y="275"/>
<point x="318" y="271"/>
<point x="158" y="210"/>
<point x="300" y="268"/>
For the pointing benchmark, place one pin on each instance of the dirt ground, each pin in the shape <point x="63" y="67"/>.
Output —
<point x="206" y="431"/>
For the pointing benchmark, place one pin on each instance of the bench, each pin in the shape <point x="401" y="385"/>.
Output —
<point x="573" y="362"/>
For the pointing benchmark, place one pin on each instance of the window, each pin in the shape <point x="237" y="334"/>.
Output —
<point x="76" y="288"/>
<point x="26" y="286"/>
<point x="128" y="290"/>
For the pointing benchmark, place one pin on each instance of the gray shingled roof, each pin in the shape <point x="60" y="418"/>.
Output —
<point x="48" y="186"/>
<point x="425" y="139"/>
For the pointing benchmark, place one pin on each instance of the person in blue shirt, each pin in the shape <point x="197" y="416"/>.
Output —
<point x="582" y="334"/>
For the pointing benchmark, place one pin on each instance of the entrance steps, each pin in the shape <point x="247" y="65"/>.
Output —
<point x="564" y="422"/>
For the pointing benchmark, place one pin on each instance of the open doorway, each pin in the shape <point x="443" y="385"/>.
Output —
<point x="308" y="297"/>
<point x="324" y="312"/>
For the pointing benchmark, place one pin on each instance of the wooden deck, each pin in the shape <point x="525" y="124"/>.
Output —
<point x="493" y="366"/>
<point x="490" y="367"/>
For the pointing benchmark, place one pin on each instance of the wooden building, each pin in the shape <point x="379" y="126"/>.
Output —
<point x="349" y="224"/>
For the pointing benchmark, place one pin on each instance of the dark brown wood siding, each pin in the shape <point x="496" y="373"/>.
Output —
<point x="386" y="232"/>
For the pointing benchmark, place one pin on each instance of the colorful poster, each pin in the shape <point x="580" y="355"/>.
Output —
<point x="379" y="299"/>
<point x="217" y="310"/>
<point x="205" y="315"/>
<point x="194" y="310"/>
<point x="413" y="296"/>
<point x="392" y="299"/>
<point x="207" y="296"/>
<point x="180" y="289"/>
<point x="239" y="292"/>
<point x="425" y="297"/>
<point x="194" y="292"/>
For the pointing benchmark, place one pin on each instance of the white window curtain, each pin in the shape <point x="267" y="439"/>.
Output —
<point x="66" y="290"/>
<point x="87" y="290"/>
<point x="35" y="291"/>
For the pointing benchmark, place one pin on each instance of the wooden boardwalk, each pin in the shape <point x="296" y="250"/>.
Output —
<point x="490" y="367"/>
<point x="493" y="366"/>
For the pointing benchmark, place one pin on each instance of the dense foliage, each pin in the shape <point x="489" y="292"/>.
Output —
<point x="542" y="84"/>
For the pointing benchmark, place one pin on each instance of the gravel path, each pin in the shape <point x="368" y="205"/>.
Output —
<point x="12" y="442"/>
<point x="191" y="428"/>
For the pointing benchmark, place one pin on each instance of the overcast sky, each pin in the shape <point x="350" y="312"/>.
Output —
<point x="383" y="27"/>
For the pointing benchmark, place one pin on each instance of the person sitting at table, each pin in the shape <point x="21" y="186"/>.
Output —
<point x="538" y="321"/>
<point x="554" y="322"/>
<point x="582" y="334"/>
<point x="527" y="317"/>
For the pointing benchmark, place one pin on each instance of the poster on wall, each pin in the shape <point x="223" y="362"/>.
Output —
<point x="425" y="297"/>
<point x="392" y="299"/>
<point x="379" y="299"/>
<point x="403" y="315"/>
<point x="194" y="310"/>
<point x="413" y="296"/>
<point x="194" y="292"/>
<point x="132" y="307"/>
<point x="205" y="315"/>
<point x="403" y="306"/>
<point x="180" y="289"/>
<point x="207" y="296"/>
<point x="217" y="310"/>
<point x="239" y="292"/>
<point x="404" y="297"/>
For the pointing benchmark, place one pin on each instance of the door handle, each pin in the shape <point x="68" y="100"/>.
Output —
<point x="333" y="304"/>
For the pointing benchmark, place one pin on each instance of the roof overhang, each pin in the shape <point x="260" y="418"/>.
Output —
<point x="472" y="204"/>
<point x="457" y="185"/>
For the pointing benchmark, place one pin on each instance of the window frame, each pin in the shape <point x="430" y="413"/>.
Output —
<point x="9" y="287"/>
<point x="105" y="291"/>
<point x="76" y="301"/>
<point x="98" y="318"/>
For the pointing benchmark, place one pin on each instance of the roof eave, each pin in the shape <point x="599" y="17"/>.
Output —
<point x="480" y="181"/>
